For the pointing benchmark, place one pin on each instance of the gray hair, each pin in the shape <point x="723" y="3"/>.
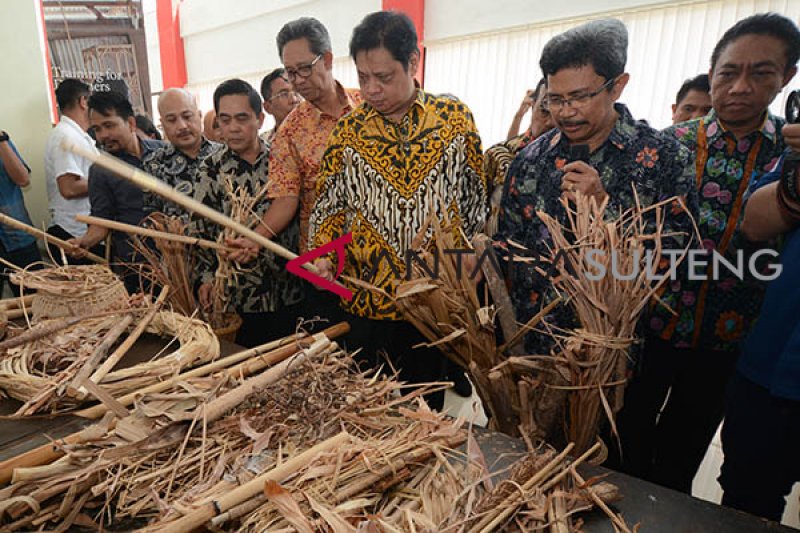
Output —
<point x="305" y="28"/>
<point x="603" y="44"/>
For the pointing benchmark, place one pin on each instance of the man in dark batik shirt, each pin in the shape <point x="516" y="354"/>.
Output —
<point x="176" y="164"/>
<point x="582" y="88"/>
<point x="263" y="293"/>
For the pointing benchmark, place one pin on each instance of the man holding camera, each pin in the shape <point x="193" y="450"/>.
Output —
<point x="761" y="433"/>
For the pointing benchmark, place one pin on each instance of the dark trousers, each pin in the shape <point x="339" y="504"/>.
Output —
<point x="21" y="257"/>
<point x="55" y="251"/>
<point x="260" y="328"/>
<point x="320" y="309"/>
<point x="760" y="440"/>
<point x="666" y="446"/>
<point x="384" y="341"/>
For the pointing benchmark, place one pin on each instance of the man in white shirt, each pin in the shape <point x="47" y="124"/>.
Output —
<point x="67" y="174"/>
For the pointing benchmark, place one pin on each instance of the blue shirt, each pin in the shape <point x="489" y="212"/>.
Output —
<point x="771" y="354"/>
<point x="117" y="199"/>
<point x="13" y="205"/>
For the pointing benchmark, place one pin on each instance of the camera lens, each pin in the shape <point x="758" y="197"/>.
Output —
<point x="793" y="107"/>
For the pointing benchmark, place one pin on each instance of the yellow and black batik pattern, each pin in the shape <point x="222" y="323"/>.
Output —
<point x="381" y="180"/>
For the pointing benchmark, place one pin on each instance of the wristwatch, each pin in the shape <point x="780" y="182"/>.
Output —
<point x="4" y="136"/>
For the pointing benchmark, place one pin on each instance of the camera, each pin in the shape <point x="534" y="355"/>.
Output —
<point x="791" y="162"/>
<point x="793" y="107"/>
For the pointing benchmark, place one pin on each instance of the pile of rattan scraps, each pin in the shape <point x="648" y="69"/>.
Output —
<point x="306" y="444"/>
<point x="581" y="382"/>
<point x="82" y="325"/>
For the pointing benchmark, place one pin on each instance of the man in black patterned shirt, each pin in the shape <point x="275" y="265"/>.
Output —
<point x="176" y="164"/>
<point x="264" y="293"/>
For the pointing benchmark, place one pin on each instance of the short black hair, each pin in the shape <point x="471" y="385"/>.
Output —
<point x="69" y="93"/>
<point x="771" y="24"/>
<point x="698" y="83"/>
<point x="307" y="28"/>
<point x="111" y="101"/>
<point x="603" y="44"/>
<point x="237" y="86"/>
<point x="266" y="83"/>
<point x="144" y="123"/>
<point x="386" y="29"/>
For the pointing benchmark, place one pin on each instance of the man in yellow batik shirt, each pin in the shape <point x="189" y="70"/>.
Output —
<point x="387" y="167"/>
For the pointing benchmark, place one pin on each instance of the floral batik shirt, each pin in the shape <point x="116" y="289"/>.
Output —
<point x="382" y="180"/>
<point x="716" y="314"/>
<point x="296" y="151"/>
<point x="633" y="155"/>
<point x="263" y="285"/>
<point x="177" y="170"/>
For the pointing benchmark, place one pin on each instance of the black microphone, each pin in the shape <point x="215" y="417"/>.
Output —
<point x="579" y="152"/>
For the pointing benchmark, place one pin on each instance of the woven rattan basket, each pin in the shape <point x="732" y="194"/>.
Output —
<point x="73" y="291"/>
<point x="232" y="324"/>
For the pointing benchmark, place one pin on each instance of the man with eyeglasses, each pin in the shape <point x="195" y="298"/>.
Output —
<point x="692" y="348"/>
<point x="305" y="49"/>
<point x="279" y="100"/>
<point x="585" y="72"/>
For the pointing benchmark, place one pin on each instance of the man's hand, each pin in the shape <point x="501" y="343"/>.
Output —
<point x="527" y="103"/>
<point x="244" y="251"/>
<point x="791" y="134"/>
<point x="204" y="295"/>
<point x="579" y="176"/>
<point x="325" y="269"/>
<point x="78" y="249"/>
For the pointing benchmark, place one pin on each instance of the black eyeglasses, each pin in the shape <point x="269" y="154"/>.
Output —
<point x="555" y="103"/>
<point x="302" y="71"/>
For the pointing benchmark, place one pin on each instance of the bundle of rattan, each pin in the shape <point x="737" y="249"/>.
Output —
<point x="48" y="366"/>
<point x="526" y="395"/>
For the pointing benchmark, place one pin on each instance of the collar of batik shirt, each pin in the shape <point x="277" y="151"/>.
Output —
<point x="226" y="153"/>
<point x="715" y="130"/>
<point x="621" y="136"/>
<point x="419" y="102"/>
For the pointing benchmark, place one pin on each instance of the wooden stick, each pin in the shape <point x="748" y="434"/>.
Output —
<point x="105" y="397"/>
<point x="123" y="348"/>
<point x="39" y="234"/>
<point x="271" y="357"/>
<point x="18" y="303"/>
<point x="502" y="301"/>
<point x="102" y="349"/>
<point x="201" y="515"/>
<point x="154" y="185"/>
<point x="148" y="232"/>
<point x="49" y="452"/>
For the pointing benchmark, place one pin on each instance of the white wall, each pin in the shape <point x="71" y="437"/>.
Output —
<point x="446" y="19"/>
<point x="667" y="44"/>
<point x="237" y="39"/>
<point x="25" y="106"/>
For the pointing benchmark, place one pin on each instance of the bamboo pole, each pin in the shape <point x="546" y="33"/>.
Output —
<point x="201" y="515"/>
<point x="123" y="348"/>
<point x="148" y="232"/>
<point x="39" y="234"/>
<point x="265" y="356"/>
<point x="154" y="185"/>
<point x="17" y="303"/>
